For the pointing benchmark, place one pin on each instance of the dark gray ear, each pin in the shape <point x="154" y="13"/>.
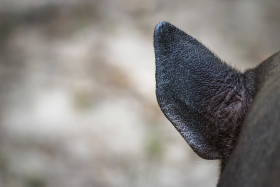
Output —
<point x="205" y="99"/>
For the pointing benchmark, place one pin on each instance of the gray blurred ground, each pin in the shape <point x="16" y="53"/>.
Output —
<point x="77" y="101"/>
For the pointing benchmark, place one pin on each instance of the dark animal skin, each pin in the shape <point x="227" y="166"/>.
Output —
<point x="221" y="113"/>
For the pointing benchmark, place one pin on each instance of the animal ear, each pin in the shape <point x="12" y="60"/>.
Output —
<point x="205" y="99"/>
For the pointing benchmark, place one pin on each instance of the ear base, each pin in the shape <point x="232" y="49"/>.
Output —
<point x="204" y="99"/>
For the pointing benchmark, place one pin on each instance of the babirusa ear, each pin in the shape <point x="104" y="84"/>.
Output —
<point x="205" y="99"/>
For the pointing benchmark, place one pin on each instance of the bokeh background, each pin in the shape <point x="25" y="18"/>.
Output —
<point x="77" y="88"/>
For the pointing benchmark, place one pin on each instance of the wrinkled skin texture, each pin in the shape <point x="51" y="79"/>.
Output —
<point x="210" y="103"/>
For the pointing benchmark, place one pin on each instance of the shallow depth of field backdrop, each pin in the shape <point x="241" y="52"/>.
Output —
<point x="77" y="88"/>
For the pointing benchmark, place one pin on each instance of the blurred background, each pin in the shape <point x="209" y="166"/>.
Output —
<point x="77" y="88"/>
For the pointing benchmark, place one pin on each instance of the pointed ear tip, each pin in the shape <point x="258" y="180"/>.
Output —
<point x="160" y="28"/>
<point x="161" y="25"/>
